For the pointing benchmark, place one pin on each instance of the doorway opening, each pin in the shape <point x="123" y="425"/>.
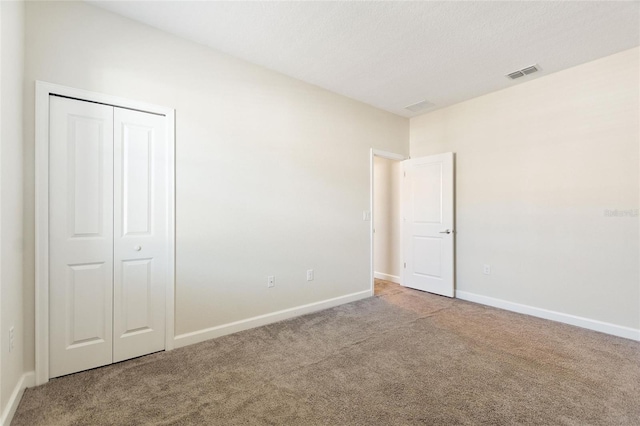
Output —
<point x="412" y="222"/>
<point x="386" y="220"/>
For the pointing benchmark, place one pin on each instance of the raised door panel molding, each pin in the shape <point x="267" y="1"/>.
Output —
<point x="137" y="178"/>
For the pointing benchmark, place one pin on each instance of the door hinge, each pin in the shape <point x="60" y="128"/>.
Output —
<point x="405" y="174"/>
<point x="405" y="265"/>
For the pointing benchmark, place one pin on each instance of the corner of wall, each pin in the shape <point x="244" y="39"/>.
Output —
<point x="13" y="379"/>
<point x="27" y="380"/>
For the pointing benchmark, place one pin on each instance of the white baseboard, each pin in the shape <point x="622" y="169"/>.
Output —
<point x="591" y="324"/>
<point x="386" y="277"/>
<point x="26" y="381"/>
<point x="233" y="327"/>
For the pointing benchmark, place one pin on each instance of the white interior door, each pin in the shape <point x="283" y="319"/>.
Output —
<point x="428" y="227"/>
<point x="141" y="233"/>
<point x="80" y="235"/>
<point x="108" y="234"/>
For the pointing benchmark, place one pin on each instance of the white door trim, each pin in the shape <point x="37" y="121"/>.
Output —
<point x="390" y="156"/>
<point x="43" y="91"/>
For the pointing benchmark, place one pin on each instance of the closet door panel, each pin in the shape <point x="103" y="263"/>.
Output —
<point x="140" y="227"/>
<point x="80" y="235"/>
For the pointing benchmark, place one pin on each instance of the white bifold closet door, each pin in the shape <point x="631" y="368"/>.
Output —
<point x="108" y="242"/>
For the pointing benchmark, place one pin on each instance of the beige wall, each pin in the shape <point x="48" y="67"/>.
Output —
<point x="272" y="173"/>
<point x="538" y="165"/>
<point x="386" y="209"/>
<point x="11" y="219"/>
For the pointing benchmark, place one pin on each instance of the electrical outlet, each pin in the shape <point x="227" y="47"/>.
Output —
<point x="271" y="281"/>
<point x="486" y="269"/>
<point x="11" y="338"/>
<point x="309" y="274"/>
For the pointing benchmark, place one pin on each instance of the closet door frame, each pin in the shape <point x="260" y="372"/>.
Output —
<point x="43" y="91"/>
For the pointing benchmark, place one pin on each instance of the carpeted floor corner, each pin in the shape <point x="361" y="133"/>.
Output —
<point x="403" y="357"/>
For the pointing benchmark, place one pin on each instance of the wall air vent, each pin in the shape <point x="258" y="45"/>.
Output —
<point x="420" y="106"/>
<point x="523" y="72"/>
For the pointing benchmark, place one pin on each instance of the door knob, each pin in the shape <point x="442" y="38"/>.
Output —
<point x="137" y="248"/>
<point x="446" y="231"/>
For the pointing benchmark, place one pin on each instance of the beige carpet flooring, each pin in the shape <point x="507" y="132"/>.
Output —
<point x="401" y="358"/>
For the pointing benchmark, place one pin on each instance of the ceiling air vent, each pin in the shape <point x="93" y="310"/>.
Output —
<point x="523" y="72"/>
<point x="515" y="75"/>
<point x="420" y="106"/>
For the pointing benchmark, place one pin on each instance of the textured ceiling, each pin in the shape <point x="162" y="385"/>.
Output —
<point x="394" y="54"/>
